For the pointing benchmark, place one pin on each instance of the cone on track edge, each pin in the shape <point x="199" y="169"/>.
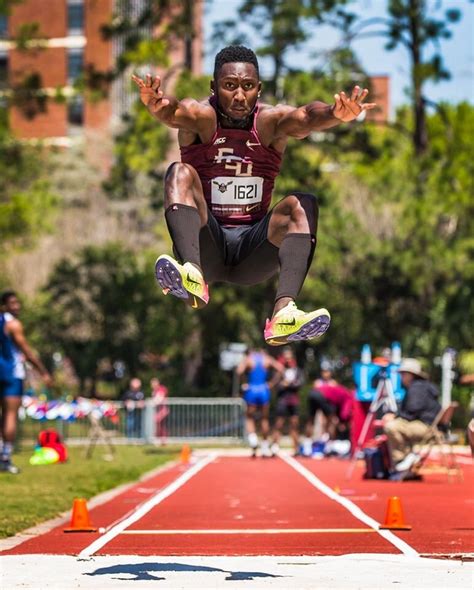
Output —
<point x="80" y="521"/>
<point x="394" y="516"/>
<point x="185" y="455"/>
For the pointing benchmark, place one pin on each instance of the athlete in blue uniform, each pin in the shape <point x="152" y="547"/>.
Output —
<point x="14" y="340"/>
<point x="258" y="365"/>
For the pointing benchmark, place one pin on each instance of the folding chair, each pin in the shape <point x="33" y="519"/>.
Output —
<point x="440" y="436"/>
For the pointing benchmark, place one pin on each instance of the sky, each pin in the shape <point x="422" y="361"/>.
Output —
<point x="458" y="52"/>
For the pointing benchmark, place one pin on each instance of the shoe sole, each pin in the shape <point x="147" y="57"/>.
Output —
<point x="169" y="278"/>
<point x="313" y="328"/>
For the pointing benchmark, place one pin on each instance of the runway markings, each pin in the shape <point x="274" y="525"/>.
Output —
<point x="242" y="531"/>
<point x="142" y="510"/>
<point x="350" y="506"/>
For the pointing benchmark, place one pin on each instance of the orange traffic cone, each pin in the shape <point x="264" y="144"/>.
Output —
<point x="185" y="454"/>
<point x="394" y="516"/>
<point x="80" y="522"/>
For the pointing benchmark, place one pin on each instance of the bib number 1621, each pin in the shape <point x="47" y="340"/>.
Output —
<point x="248" y="191"/>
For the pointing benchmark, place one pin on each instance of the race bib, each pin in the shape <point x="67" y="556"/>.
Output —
<point x="232" y="190"/>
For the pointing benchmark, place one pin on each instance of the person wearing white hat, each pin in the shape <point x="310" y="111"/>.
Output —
<point x="417" y="411"/>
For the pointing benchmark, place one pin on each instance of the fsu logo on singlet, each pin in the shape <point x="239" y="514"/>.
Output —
<point x="241" y="193"/>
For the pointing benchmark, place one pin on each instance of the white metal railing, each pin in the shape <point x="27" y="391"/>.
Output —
<point x="195" y="418"/>
<point x="198" y="419"/>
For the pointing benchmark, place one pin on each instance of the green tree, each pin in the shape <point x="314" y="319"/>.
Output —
<point x="27" y="203"/>
<point x="420" y="279"/>
<point x="93" y="309"/>
<point x="282" y="25"/>
<point x="413" y="25"/>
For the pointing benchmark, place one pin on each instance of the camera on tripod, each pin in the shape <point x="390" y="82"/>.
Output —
<point x="370" y="373"/>
<point x="381" y="374"/>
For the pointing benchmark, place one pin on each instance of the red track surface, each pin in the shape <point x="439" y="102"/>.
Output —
<point x="240" y="493"/>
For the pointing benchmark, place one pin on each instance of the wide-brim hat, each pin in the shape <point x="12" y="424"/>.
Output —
<point x="412" y="366"/>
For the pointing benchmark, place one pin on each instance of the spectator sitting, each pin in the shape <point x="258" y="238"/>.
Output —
<point x="417" y="411"/>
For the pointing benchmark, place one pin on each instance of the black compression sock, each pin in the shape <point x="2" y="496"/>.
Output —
<point x="184" y="225"/>
<point x="296" y="253"/>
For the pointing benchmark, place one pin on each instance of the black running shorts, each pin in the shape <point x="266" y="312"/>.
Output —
<point x="285" y="409"/>
<point x="317" y="401"/>
<point x="240" y="254"/>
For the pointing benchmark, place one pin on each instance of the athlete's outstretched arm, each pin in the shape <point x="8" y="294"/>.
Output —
<point x="188" y="114"/>
<point x="15" y="330"/>
<point x="317" y="116"/>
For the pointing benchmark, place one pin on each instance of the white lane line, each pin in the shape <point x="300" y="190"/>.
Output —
<point x="240" y="531"/>
<point x="145" y="507"/>
<point x="350" y="506"/>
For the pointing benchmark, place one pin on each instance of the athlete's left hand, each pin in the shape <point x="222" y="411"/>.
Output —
<point x="347" y="109"/>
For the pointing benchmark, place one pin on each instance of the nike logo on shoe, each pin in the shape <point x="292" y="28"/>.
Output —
<point x="292" y="323"/>
<point x="177" y="279"/>
<point x="188" y="278"/>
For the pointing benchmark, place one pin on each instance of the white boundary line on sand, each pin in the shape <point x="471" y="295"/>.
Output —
<point x="242" y="531"/>
<point x="145" y="507"/>
<point x="350" y="506"/>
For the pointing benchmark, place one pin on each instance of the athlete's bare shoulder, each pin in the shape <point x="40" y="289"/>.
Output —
<point x="274" y="112"/>
<point x="202" y="107"/>
<point x="205" y="121"/>
<point x="267" y="123"/>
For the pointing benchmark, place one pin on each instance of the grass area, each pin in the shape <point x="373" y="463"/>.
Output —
<point x="42" y="492"/>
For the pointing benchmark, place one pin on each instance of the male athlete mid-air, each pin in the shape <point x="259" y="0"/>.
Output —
<point x="217" y="198"/>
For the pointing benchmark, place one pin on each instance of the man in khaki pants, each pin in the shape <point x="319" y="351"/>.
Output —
<point x="417" y="411"/>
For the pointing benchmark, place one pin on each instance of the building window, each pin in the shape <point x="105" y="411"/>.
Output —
<point x="75" y="62"/>
<point x="75" y="17"/>
<point x="3" y="26"/>
<point x="75" y="111"/>
<point x="3" y="70"/>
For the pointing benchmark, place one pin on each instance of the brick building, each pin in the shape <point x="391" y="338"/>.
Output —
<point x="380" y="93"/>
<point x="64" y="41"/>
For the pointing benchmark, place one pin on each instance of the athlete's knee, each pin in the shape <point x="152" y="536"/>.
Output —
<point x="301" y="210"/>
<point x="307" y="202"/>
<point x="182" y="185"/>
<point x="181" y="173"/>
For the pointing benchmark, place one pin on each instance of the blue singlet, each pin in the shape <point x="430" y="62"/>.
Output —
<point x="258" y="392"/>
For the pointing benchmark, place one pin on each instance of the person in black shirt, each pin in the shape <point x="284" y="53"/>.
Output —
<point x="417" y="411"/>
<point x="288" y="400"/>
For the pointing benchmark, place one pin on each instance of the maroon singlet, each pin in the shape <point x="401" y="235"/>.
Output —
<point x="237" y="173"/>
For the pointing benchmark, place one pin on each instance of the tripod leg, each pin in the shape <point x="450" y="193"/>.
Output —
<point x="374" y="406"/>
<point x="360" y="442"/>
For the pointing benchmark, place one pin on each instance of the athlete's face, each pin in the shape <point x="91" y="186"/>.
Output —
<point x="13" y="306"/>
<point x="237" y="87"/>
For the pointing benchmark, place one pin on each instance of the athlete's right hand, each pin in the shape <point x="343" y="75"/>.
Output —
<point x="150" y="94"/>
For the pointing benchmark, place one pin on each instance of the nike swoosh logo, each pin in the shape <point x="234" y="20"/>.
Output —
<point x="292" y="323"/>
<point x="188" y="278"/>
<point x="251" y="145"/>
<point x="251" y="207"/>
